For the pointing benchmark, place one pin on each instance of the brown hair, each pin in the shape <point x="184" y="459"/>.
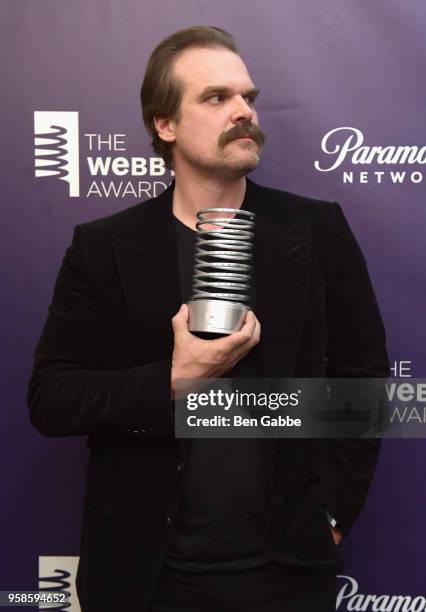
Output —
<point x="161" y="93"/>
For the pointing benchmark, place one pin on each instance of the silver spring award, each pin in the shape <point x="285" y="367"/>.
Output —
<point x="222" y="271"/>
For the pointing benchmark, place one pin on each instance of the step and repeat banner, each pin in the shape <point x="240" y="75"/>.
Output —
<point x="343" y="105"/>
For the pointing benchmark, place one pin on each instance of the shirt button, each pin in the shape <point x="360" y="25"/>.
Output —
<point x="180" y="466"/>
<point x="168" y="521"/>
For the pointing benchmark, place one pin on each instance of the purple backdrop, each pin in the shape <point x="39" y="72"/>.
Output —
<point x="320" y="66"/>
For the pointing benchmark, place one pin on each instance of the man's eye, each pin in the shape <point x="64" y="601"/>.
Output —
<point x="250" y="99"/>
<point x="217" y="99"/>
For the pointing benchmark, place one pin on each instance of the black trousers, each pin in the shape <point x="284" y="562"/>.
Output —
<point x="269" y="588"/>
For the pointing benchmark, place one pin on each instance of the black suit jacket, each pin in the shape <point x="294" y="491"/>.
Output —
<point x="102" y="368"/>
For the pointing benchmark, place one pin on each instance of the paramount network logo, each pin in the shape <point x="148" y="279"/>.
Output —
<point x="350" y="598"/>
<point x="57" y="147"/>
<point x="345" y="148"/>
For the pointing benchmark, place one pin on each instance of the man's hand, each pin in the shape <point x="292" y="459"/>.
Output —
<point x="337" y="535"/>
<point x="194" y="357"/>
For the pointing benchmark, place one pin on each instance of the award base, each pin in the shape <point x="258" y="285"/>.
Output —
<point x="213" y="318"/>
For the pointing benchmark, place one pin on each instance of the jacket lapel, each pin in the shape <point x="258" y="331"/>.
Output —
<point x="148" y="265"/>
<point x="282" y="271"/>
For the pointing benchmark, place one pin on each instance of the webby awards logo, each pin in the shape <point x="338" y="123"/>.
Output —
<point x="97" y="164"/>
<point x="56" y="145"/>
<point x="58" y="574"/>
<point x="345" y="147"/>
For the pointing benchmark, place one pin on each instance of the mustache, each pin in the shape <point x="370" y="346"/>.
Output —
<point x="243" y="128"/>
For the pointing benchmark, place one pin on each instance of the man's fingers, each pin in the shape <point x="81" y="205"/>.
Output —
<point x="180" y="320"/>
<point x="250" y="319"/>
<point x="248" y="329"/>
<point x="257" y="331"/>
<point x="241" y="337"/>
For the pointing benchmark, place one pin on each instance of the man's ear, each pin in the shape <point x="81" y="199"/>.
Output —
<point x="165" y="128"/>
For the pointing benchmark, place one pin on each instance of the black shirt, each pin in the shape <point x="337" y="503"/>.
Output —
<point x="222" y="516"/>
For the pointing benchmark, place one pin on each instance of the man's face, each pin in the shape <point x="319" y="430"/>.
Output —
<point x="216" y="130"/>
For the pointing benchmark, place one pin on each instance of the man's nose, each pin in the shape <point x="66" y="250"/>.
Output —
<point x="243" y="111"/>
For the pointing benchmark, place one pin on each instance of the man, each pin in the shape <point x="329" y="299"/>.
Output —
<point x="173" y="525"/>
